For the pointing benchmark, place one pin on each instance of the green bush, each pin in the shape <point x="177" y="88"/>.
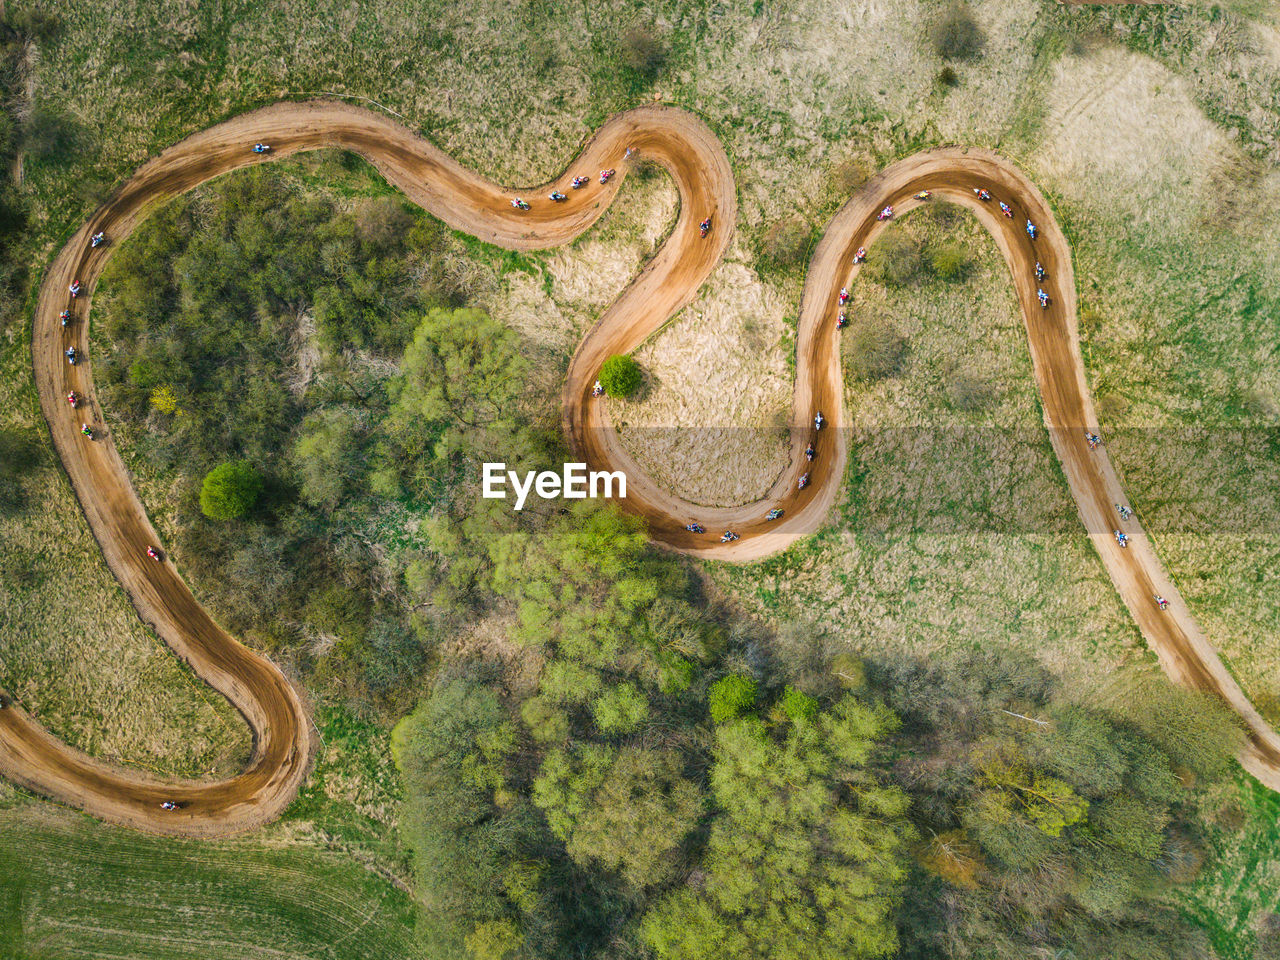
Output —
<point x="873" y="351"/>
<point x="620" y="376"/>
<point x="947" y="77"/>
<point x="731" y="696"/>
<point x="957" y="35"/>
<point x="895" y="260"/>
<point x="797" y="705"/>
<point x="949" y="260"/>
<point x="230" y="490"/>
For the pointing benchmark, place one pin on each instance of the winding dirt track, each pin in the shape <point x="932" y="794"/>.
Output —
<point x="689" y="151"/>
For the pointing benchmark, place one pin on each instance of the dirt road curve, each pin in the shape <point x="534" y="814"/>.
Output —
<point x="690" y="152"/>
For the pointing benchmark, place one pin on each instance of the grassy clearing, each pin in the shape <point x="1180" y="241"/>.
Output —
<point x="957" y="529"/>
<point x="70" y="887"/>
<point x="1242" y="882"/>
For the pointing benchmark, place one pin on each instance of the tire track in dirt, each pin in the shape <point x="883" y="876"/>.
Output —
<point x="691" y="154"/>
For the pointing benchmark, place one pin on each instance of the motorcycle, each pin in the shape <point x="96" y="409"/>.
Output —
<point x="818" y="421"/>
<point x="74" y="288"/>
<point x="72" y="356"/>
<point x="1031" y="230"/>
<point x="97" y="240"/>
<point x="695" y="527"/>
<point x="1161" y="602"/>
<point x="803" y="481"/>
<point x="841" y="320"/>
<point x="704" y="228"/>
<point x="1043" y="298"/>
<point x="73" y="398"/>
<point x="774" y="514"/>
<point x="728" y="537"/>
<point x="597" y="389"/>
<point x="153" y="553"/>
<point x="885" y="214"/>
<point x="1121" y="538"/>
<point x="1092" y="439"/>
<point x="861" y="255"/>
<point x="580" y="182"/>
<point x="1006" y="209"/>
<point x="87" y="430"/>
<point x="65" y="317"/>
<point x="556" y="196"/>
<point x="261" y="148"/>
<point x="922" y="195"/>
<point x="844" y="296"/>
<point x="1125" y="512"/>
<point x="1040" y="274"/>
<point x="172" y="805"/>
<point x="983" y="195"/>
<point x="605" y="175"/>
<point x="809" y="453"/>
<point x="520" y="204"/>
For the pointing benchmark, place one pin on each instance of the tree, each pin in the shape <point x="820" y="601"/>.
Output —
<point x="627" y="812"/>
<point x="806" y="855"/>
<point x="327" y="457"/>
<point x="230" y="490"/>
<point x="731" y="696"/>
<point x="620" y="376"/>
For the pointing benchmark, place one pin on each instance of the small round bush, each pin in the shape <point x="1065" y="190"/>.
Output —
<point x="957" y="35"/>
<point x="731" y="696"/>
<point x="895" y="260"/>
<point x="873" y="351"/>
<point x="949" y="260"/>
<point x="947" y="77"/>
<point x="620" y="376"/>
<point x="230" y="490"/>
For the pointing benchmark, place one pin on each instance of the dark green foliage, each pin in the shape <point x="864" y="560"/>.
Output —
<point x="947" y="78"/>
<point x="1050" y="826"/>
<point x="230" y="490"/>
<point x="253" y="323"/>
<point x="620" y="376"/>
<point x="957" y="36"/>
<point x="731" y="697"/>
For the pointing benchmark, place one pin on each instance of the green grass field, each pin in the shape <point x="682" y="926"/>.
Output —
<point x="72" y="888"/>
